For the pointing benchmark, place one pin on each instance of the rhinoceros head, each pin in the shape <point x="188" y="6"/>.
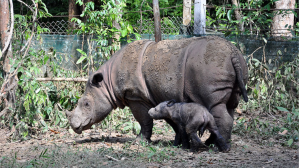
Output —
<point x="93" y="106"/>
<point x="162" y="110"/>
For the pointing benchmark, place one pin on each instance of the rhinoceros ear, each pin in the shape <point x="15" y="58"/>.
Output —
<point x="171" y="103"/>
<point x="96" y="78"/>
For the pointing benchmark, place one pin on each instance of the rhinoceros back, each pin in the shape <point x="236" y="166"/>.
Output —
<point x="164" y="68"/>
<point x="188" y="70"/>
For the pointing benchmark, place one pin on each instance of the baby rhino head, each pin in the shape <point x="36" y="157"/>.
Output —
<point x="162" y="110"/>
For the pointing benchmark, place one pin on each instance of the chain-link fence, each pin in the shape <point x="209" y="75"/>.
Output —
<point x="59" y="36"/>
<point x="58" y="27"/>
<point x="172" y="26"/>
<point x="169" y="26"/>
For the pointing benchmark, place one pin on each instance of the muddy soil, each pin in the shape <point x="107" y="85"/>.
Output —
<point x="108" y="148"/>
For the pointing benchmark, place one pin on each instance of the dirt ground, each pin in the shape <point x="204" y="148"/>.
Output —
<point x="100" y="148"/>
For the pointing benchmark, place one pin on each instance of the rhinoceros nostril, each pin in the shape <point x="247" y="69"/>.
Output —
<point x="75" y="125"/>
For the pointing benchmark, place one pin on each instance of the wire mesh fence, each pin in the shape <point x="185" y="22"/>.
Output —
<point x="58" y="27"/>
<point x="62" y="27"/>
<point x="60" y="37"/>
<point x="169" y="26"/>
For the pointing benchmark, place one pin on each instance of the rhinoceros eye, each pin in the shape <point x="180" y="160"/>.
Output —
<point x="86" y="104"/>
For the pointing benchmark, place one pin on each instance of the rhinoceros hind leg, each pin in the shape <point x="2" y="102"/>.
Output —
<point x="224" y="122"/>
<point x="219" y="141"/>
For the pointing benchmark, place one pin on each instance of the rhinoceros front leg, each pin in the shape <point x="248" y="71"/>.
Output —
<point x="179" y="137"/>
<point x="140" y="112"/>
<point x="224" y="122"/>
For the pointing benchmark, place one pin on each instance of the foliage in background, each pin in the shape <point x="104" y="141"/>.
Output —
<point x="135" y="5"/>
<point x="101" y="24"/>
<point x="256" y="22"/>
<point x="40" y="105"/>
<point x="273" y="92"/>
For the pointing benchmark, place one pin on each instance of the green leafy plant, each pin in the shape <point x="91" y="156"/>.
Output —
<point x="272" y="89"/>
<point x="100" y="27"/>
<point x="254" y="21"/>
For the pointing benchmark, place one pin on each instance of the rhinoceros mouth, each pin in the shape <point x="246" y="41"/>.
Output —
<point x="86" y="125"/>
<point x="152" y="112"/>
<point x="78" y="130"/>
<point x="83" y="126"/>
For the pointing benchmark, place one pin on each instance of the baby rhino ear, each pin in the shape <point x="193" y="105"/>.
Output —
<point x="171" y="103"/>
<point x="96" y="78"/>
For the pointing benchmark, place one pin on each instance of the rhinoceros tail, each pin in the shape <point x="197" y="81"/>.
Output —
<point x="238" y="70"/>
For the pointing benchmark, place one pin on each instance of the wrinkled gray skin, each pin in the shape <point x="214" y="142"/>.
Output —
<point x="207" y="70"/>
<point x="190" y="118"/>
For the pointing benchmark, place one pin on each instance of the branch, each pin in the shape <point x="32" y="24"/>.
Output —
<point x="62" y="79"/>
<point x="26" y="5"/>
<point x="4" y="111"/>
<point x="111" y="158"/>
<point x="8" y="42"/>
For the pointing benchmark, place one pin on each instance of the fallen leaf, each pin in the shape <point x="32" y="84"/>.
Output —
<point x="245" y="125"/>
<point x="55" y="132"/>
<point x="210" y="161"/>
<point x="283" y="132"/>
<point x="238" y="111"/>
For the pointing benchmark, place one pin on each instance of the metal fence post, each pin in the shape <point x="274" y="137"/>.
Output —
<point x="199" y="17"/>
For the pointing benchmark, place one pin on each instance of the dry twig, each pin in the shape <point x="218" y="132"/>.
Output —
<point x="111" y="158"/>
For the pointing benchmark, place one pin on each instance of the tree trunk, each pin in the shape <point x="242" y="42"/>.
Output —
<point x="8" y="88"/>
<point x="73" y="10"/>
<point x="186" y="15"/>
<point x="283" y="22"/>
<point x="82" y="8"/>
<point x="157" y="20"/>
<point x="4" y="31"/>
<point x="238" y="15"/>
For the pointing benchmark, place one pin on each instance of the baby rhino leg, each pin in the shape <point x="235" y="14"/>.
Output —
<point x="191" y="129"/>
<point x="196" y="143"/>
<point x="183" y="137"/>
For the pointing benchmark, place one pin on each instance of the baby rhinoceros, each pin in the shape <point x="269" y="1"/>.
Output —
<point x="190" y="117"/>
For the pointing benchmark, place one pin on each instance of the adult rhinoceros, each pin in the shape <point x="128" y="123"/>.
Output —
<point x="207" y="70"/>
